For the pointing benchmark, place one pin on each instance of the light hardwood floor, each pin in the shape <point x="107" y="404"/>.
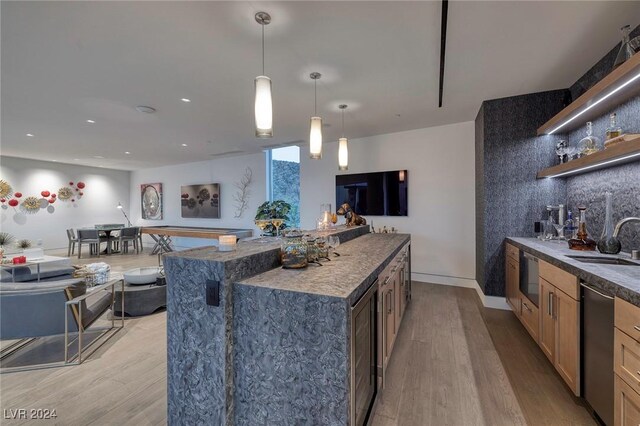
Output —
<point x="454" y="363"/>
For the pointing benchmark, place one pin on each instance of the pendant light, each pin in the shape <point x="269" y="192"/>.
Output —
<point x="315" y="134"/>
<point x="343" y="145"/>
<point x="263" y="103"/>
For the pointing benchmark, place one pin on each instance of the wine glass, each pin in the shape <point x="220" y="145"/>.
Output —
<point x="561" y="150"/>
<point x="334" y="243"/>
<point x="277" y="223"/>
<point x="262" y="224"/>
<point x="559" y="228"/>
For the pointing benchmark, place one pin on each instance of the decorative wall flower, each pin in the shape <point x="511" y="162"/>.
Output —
<point x="45" y="193"/>
<point x="51" y="200"/>
<point x="70" y="183"/>
<point x="13" y="202"/>
<point x="5" y="189"/>
<point x="31" y="204"/>
<point x="18" y="194"/>
<point x="3" y="200"/>
<point x="53" y="195"/>
<point x="81" y="185"/>
<point x="65" y="193"/>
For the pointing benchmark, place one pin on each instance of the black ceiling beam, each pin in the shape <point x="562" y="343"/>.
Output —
<point x="443" y="47"/>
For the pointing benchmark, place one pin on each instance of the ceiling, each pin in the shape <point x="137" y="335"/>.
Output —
<point x="67" y="62"/>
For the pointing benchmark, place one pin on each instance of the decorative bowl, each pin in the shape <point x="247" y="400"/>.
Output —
<point x="139" y="276"/>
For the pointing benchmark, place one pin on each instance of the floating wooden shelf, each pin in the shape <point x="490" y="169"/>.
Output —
<point x="618" y="86"/>
<point x="619" y="153"/>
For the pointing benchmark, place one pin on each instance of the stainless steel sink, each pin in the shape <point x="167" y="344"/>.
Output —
<point x="604" y="260"/>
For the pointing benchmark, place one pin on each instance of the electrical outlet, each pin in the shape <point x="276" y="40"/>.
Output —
<point x="213" y="293"/>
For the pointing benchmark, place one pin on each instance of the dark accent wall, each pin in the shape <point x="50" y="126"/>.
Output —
<point x="508" y="155"/>
<point x="508" y="197"/>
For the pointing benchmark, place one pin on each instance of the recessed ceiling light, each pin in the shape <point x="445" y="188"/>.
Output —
<point x="185" y="100"/>
<point x="145" y="109"/>
<point x="91" y="122"/>
<point x="99" y="157"/>
<point x="54" y="161"/>
<point x="127" y="152"/>
<point x="30" y="135"/>
<point x="184" y="144"/>
<point x="76" y="159"/>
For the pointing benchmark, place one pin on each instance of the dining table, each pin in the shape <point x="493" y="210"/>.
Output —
<point x="108" y="228"/>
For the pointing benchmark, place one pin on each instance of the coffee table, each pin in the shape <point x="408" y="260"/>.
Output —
<point x="36" y="262"/>
<point x="140" y="300"/>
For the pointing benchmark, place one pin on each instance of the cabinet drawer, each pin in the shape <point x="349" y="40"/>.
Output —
<point x="627" y="404"/>
<point x="512" y="251"/>
<point x="562" y="280"/>
<point x="627" y="359"/>
<point x="627" y="318"/>
<point x="529" y="317"/>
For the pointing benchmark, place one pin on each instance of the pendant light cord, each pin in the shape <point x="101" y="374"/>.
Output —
<point x="343" y="122"/>
<point x="315" y="97"/>
<point x="262" y="49"/>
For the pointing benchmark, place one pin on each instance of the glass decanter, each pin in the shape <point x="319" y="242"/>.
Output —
<point x="626" y="51"/>
<point x="589" y="144"/>
<point x="608" y="244"/>
<point x="582" y="240"/>
<point x="613" y="131"/>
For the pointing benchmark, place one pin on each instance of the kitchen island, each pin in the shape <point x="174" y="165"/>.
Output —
<point x="277" y="348"/>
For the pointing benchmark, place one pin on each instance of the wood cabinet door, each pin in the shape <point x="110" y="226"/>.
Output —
<point x="512" y="288"/>
<point x="390" y="323"/>
<point x="402" y="300"/>
<point x="567" y="336"/>
<point x="626" y="403"/>
<point x="547" y="340"/>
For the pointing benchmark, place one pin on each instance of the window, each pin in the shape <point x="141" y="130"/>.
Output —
<point x="283" y="169"/>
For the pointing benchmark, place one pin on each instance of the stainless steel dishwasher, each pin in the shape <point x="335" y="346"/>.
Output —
<point x="597" y="351"/>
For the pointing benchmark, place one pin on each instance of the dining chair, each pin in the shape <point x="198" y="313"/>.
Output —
<point x="71" y="235"/>
<point x="128" y="235"/>
<point x="91" y="237"/>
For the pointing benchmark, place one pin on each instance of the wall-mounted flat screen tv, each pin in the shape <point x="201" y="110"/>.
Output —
<point x="374" y="194"/>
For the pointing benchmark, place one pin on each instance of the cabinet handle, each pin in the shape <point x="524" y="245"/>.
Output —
<point x="549" y="303"/>
<point x="389" y="303"/>
<point x="638" y="373"/>
<point x="637" y="327"/>
<point x="554" y="310"/>
<point x="526" y="306"/>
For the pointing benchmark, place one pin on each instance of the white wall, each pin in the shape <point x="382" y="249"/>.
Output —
<point x="104" y="189"/>
<point x="225" y="171"/>
<point x="440" y="164"/>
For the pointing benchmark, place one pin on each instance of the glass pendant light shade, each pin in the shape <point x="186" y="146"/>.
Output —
<point x="263" y="107"/>
<point x="343" y="154"/>
<point x="315" y="138"/>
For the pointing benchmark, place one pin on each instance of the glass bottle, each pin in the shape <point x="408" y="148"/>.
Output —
<point x="570" y="227"/>
<point x="608" y="244"/>
<point x="613" y="131"/>
<point x="589" y="144"/>
<point x="626" y="51"/>
<point x="582" y="240"/>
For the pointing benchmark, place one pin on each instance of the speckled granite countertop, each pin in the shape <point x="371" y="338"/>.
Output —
<point x="347" y="276"/>
<point x="623" y="281"/>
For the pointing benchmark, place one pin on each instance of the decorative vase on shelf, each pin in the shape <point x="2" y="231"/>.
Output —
<point x="608" y="244"/>
<point x="626" y="51"/>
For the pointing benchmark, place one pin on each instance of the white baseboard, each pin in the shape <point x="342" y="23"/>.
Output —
<point x="494" y="302"/>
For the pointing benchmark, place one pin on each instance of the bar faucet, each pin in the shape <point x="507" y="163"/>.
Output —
<point x="619" y="225"/>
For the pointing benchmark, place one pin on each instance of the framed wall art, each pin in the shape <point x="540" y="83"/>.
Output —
<point x="200" y="201"/>
<point x="151" y="201"/>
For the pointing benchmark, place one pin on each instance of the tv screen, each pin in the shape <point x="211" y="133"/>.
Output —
<point x="374" y="194"/>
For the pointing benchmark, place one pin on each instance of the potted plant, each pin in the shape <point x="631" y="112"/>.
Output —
<point x="5" y="239"/>
<point x="277" y="209"/>
<point x="23" y="244"/>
